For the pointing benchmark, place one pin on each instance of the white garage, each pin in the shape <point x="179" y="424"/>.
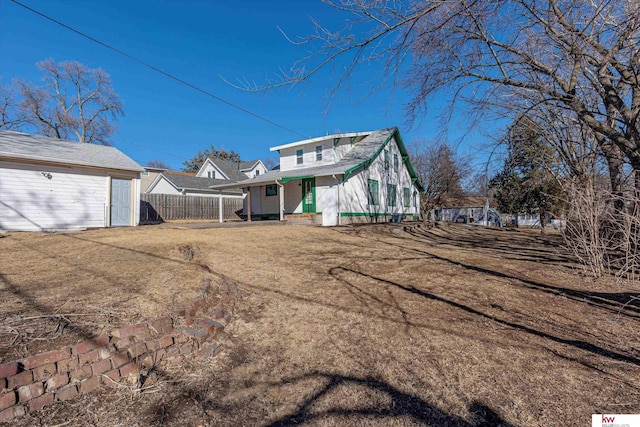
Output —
<point x="49" y="184"/>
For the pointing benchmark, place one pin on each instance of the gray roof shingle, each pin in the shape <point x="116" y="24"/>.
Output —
<point x="18" y="145"/>
<point x="188" y="182"/>
<point x="233" y="169"/>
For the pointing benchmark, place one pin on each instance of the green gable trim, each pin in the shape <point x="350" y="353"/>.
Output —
<point x="405" y="159"/>
<point x="294" y="178"/>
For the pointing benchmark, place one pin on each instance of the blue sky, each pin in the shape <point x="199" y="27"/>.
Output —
<point x="199" y="41"/>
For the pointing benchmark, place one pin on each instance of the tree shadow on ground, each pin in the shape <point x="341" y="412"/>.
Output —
<point x="579" y="344"/>
<point x="623" y="303"/>
<point x="325" y="404"/>
<point x="402" y="405"/>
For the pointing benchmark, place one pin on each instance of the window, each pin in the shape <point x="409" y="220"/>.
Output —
<point x="374" y="195"/>
<point x="271" y="190"/>
<point x="395" y="163"/>
<point x="391" y="195"/>
<point x="257" y="172"/>
<point x="406" y="197"/>
<point x="318" y="153"/>
<point x="386" y="160"/>
<point x="299" y="157"/>
<point x="210" y="174"/>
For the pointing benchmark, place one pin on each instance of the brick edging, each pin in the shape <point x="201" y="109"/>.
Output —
<point x="30" y="384"/>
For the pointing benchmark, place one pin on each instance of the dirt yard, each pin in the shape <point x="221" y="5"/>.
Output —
<point x="369" y="325"/>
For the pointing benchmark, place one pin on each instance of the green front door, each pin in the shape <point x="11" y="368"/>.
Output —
<point x="309" y="195"/>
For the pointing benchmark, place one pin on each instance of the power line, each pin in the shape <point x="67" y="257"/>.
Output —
<point x="158" y="70"/>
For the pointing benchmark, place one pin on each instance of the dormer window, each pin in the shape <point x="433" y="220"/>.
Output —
<point x="210" y="174"/>
<point x="257" y="172"/>
<point x="318" y="153"/>
<point x="299" y="157"/>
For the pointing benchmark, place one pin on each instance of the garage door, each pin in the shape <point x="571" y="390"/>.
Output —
<point x="37" y="198"/>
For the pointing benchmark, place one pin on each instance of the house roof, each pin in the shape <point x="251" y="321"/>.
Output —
<point x="183" y="181"/>
<point x="233" y="170"/>
<point x="248" y="165"/>
<point x="361" y="155"/>
<point x="23" y="146"/>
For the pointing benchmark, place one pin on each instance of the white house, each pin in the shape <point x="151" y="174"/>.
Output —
<point x="52" y="184"/>
<point x="337" y="179"/>
<point x="186" y="184"/>
<point x="231" y="171"/>
<point x="212" y="172"/>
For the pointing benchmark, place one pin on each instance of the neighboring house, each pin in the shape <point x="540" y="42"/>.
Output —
<point x="467" y="210"/>
<point x="532" y="220"/>
<point x="148" y="176"/>
<point x="231" y="171"/>
<point x="212" y="172"/>
<point x="52" y="184"/>
<point x="188" y="184"/>
<point x="336" y="179"/>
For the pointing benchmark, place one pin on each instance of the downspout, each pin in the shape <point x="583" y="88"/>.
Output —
<point x="280" y="199"/>
<point x="338" y="185"/>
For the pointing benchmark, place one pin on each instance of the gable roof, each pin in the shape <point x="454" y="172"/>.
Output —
<point x="232" y="170"/>
<point x="248" y="165"/>
<point x="361" y="155"/>
<point x="23" y="146"/>
<point x="182" y="181"/>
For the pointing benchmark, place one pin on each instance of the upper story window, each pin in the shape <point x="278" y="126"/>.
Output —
<point x="257" y="172"/>
<point x="318" y="153"/>
<point x="210" y="174"/>
<point x="386" y="160"/>
<point x="299" y="157"/>
<point x="395" y="163"/>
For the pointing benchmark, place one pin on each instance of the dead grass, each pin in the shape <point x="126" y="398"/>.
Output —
<point x="455" y="326"/>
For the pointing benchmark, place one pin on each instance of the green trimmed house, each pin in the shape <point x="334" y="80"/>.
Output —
<point x="337" y="179"/>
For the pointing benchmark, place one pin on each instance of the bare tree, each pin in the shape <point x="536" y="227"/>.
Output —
<point x="75" y="102"/>
<point x="440" y="171"/>
<point x="195" y="163"/>
<point x="158" y="164"/>
<point x="10" y="117"/>
<point x="570" y="53"/>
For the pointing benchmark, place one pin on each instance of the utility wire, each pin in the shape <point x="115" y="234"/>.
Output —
<point x="158" y="70"/>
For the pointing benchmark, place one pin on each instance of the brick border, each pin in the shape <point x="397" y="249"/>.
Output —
<point x="30" y="384"/>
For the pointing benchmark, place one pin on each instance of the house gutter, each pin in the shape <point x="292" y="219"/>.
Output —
<point x="280" y="199"/>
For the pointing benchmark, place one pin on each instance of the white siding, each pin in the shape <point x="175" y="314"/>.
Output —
<point x="73" y="198"/>
<point x="288" y="156"/>
<point x="268" y="205"/>
<point x="164" y="187"/>
<point x="258" y="167"/>
<point x="209" y="167"/>
<point x="355" y="195"/>
<point x="293" y="197"/>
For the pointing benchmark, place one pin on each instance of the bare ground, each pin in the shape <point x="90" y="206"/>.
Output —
<point x="371" y="325"/>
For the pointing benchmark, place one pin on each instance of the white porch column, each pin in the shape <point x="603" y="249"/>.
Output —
<point x="281" y="199"/>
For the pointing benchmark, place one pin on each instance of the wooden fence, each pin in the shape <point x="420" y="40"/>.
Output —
<point x="161" y="207"/>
